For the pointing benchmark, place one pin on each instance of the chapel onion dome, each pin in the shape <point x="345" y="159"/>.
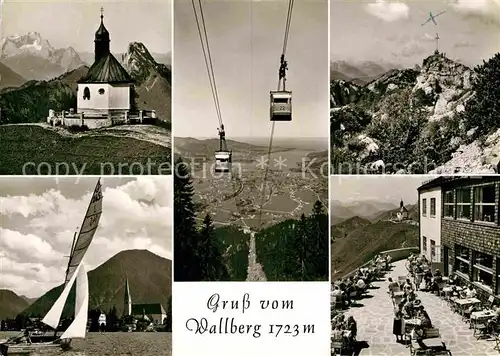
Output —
<point x="102" y="33"/>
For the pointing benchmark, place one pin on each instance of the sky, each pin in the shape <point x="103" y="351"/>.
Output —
<point x="74" y="22"/>
<point x="390" y="31"/>
<point x="385" y="188"/>
<point x="246" y="41"/>
<point x="39" y="216"/>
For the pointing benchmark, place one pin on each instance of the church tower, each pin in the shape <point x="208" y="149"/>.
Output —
<point x="401" y="204"/>
<point x="101" y="42"/>
<point x="127" y="303"/>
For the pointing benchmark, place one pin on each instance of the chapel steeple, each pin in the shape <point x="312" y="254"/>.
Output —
<point x="101" y="42"/>
<point x="127" y="307"/>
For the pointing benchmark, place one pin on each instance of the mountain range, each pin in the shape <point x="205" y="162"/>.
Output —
<point x="408" y="120"/>
<point x="25" y="97"/>
<point x="367" y="209"/>
<point x="359" y="73"/>
<point x="149" y="277"/>
<point x="34" y="58"/>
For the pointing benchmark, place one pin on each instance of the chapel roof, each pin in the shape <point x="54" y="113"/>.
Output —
<point x="107" y="70"/>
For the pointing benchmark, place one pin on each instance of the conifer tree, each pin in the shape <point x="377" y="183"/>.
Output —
<point x="319" y="243"/>
<point x="186" y="264"/>
<point x="210" y="255"/>
<point x="168" y="326"/>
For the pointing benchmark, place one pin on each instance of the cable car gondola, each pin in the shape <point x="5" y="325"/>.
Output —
<point x="223" y="161"/>
<point x="281" y="105"/>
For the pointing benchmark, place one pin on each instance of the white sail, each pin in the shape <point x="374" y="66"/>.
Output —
<point x="87" y="231"/>
<point x="78" y="327"/>
<point x="54" y="315"/>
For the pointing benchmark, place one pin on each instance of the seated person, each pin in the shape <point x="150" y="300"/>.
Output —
<point x="424" y="317"/>
<point x="337" y="333"/>
<point x="471" y="292"/>
<point x="360" y="284"/>
<point x="408" y="310"/>
<point x="452" y="280"/>
<point x="493" y="323"/>
<point x="417" y="334"/>
<point x="407" y="284"/>
<point x="336" y="293"/>
<point x="352" y="327"/>
<point x="393" y="286"/>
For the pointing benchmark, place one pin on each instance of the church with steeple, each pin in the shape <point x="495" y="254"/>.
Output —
<point x="154" y="313"/>
<point x="107" y="89"/>
<point x="402" y="214"/>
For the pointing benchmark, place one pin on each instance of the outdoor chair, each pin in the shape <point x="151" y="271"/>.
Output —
<point x="480" y="329"/>
<point x="497" y="342"/>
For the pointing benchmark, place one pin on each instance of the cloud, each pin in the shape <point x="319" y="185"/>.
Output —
<point x="488" y="10"/>
<point x="36" y="231"/>
<point x="463" y="44"/>
<point x="388" y="11"/>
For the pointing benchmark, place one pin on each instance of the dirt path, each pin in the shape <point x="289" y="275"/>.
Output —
<point x="255" y="270"/>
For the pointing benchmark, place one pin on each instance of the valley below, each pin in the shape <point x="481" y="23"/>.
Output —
<point x="235" y="198"/>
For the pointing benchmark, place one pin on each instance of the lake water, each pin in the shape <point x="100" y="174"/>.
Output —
<point x="115" y="344"/>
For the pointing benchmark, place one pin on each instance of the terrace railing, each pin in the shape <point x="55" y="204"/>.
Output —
<point x="396" y="255"/>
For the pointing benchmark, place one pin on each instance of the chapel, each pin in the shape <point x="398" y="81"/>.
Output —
<point x="107" y="89"/>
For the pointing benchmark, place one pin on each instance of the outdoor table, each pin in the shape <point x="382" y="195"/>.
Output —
<point x="482" y="315"/>
<point x="413" y="322"/>
<point x="399" y="294"/>
<point x="463" y="303"/>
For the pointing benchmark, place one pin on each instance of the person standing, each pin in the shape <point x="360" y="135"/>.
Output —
<point x="398" y="327"/>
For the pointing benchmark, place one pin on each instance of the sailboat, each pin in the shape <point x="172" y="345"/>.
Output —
<point x="75" y="273"/>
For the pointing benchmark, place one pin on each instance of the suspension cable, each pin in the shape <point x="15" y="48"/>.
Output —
<point x="270" y="147"/>
<point x="202" y="32"/>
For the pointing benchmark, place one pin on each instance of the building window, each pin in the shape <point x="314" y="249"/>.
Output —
<point x="463" y="203"/>
<point x="462" y="261"/>
<point x="101" y="91"/>
<point x="86" y="93"/>
<point x="433" y="250"/>
<point x="483" y="269"/>
<point x="424" y="243"/>
<point x="424" y="207"/>
<point x="449" y="205"/>
<point x="484" y="203"/>
<point x="433" y="207"/>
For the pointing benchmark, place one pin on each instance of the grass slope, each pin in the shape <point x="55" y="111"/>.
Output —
<point x="22" y="144"/>
<point x="343" y="228"/>
<point x="10" y="304"/>
<point x="361" y="244"/>
<point x="149" y="276"/>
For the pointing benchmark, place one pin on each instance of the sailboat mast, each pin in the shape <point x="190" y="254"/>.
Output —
<point x="81" y="226"/>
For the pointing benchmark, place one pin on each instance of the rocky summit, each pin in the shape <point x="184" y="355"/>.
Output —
<point x="414" y="120"/>
<point x="33" y="57"/>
